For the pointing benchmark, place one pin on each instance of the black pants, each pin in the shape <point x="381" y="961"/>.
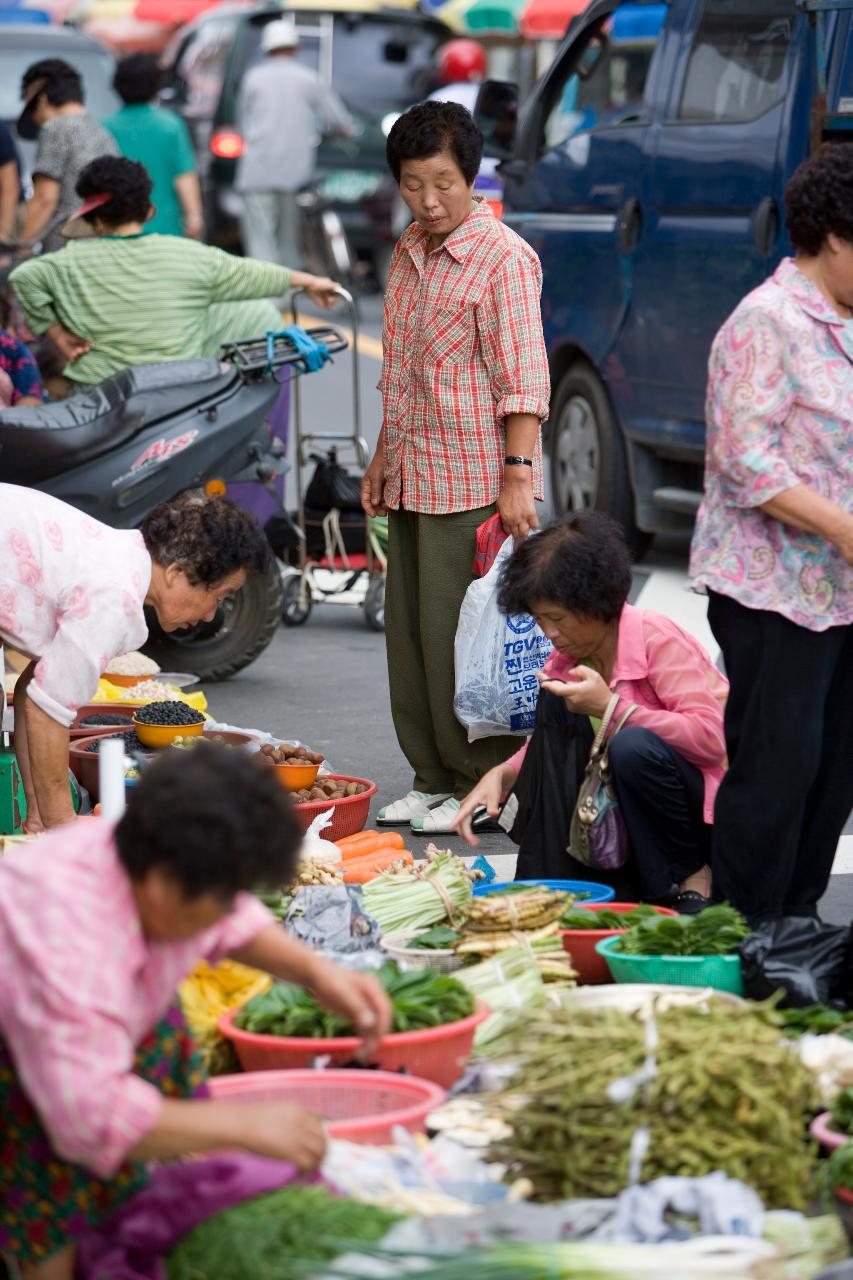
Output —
<point x="789" y="733"/>
<point x="660" y="793"/>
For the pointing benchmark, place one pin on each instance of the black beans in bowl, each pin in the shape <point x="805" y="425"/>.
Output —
<point x="170" y="713"/>
<point x="103" y="719"/>
<point x="130" y="740"/>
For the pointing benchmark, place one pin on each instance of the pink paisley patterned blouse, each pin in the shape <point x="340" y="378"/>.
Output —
<point x="71" y="594"/>
<point x="779" y="412"/>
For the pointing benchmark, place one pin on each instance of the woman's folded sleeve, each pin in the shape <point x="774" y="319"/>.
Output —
<point x="76" y="1067"/>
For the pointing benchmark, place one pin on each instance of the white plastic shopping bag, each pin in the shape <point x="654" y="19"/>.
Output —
<point x="497" y="657"/>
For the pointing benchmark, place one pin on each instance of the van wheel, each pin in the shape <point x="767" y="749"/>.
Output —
<point x="589" y="469"/>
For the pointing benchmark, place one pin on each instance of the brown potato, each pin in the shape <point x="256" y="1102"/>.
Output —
<point x="352" y="788"/>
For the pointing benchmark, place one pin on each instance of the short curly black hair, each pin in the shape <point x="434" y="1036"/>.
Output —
<point x="428" y="129"/>
<point x="128" y="184"/>
<point x="214" y="819"/>
<point x="63" y="83"/>
<point x="138" y="78"/>
<point x="580" y="562"/>
<point x="819" y="199"/>
<point x="209" y="538"/>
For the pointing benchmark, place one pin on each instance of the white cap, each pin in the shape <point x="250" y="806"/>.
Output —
<point x="281" y="33"/>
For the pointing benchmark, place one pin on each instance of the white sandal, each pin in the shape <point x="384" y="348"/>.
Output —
<point x="437" y="821"/>
<point x="417" y="804"/>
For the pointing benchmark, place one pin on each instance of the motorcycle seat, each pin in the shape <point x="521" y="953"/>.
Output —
<point x="42" y="441"/>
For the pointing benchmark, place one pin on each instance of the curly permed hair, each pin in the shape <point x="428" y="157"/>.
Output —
<point x="214" y="819"/>
<point x="428" y="129"/>
<point x="210" y="538"/>
<point x="580" y="563"/>
<point x="128" y="184"/>
<point x="819" y="199"/>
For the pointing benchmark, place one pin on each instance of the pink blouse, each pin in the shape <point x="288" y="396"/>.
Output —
<point x="680" y="694"/>
<point x="72" y="592"/>
<point x="80" y="986"/>
<point x="780" y="413"/>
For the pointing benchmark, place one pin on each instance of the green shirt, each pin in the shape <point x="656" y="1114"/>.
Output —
<point x="161" y="141"/>
<point x="141" y="299"/>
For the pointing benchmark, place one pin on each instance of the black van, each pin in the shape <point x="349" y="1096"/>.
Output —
<point x="379" y="61"/>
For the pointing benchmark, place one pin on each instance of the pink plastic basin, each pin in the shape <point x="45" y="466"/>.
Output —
<point x="361" y="1106"/>
<point x="437" y="1053"/>
<point x="828" y="1138"/>
<point x="592" y="968"/>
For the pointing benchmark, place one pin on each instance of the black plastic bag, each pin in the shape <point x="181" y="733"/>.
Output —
<point x="799" y="955"/>
<point x="332" y="487"/>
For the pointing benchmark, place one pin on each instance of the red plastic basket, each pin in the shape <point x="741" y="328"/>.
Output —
<point x="349" y="815"/>
<point x="361" y="1106"/>
<point x="437" y="1053"/>
<point x="590" y="967"/>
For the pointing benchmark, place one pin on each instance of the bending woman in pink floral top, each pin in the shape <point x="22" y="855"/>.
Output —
<point x="774" y="548"/>
<point x="98" y="926"/>
<point x="72" y="596"/>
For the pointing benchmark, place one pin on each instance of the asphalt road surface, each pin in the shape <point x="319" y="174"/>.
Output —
<point x="326" y="682"/>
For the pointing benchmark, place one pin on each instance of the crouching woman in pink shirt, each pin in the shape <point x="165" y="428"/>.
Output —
<point x="98" y="926"/>
<point x="668" y="760"/>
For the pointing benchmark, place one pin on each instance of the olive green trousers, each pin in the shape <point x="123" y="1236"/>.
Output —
<point x="429" y="571"/>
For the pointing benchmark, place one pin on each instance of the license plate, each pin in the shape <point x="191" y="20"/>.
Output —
<point x="348" y="186"/>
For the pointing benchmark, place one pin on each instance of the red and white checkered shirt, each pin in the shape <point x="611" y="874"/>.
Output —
<point x="463" y="348"/>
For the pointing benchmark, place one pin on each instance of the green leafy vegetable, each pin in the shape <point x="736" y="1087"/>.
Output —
<point x="440" y="938"/>
<point x="605" y="918"/>
<point x="419" y="999"/>
<point x="842" y="1112"/>
<point x="716" y="931"/>
<point x="817" y="1020"/>
<point x="264" y="1238"/>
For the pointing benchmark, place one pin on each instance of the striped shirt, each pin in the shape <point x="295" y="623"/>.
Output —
<point x="81" y="986"/>
<point x="140" y="299"/>
<point x="463" y="348"/>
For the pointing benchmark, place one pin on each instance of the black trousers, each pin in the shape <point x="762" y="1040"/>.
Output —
<point x="660" y="793"/>
<point x="788" y="792"/>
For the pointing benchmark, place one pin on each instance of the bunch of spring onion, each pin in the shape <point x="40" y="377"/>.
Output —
<point x="427" y="894"/>
<point x="511" y="985"/>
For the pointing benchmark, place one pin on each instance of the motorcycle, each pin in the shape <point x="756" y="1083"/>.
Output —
<point x="118" y="449"/>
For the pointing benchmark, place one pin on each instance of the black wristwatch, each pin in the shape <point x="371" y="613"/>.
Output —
<point x="516" y="460"/>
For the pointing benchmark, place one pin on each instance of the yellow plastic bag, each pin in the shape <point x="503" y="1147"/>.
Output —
<point x="114" y="693"/>
<point x="207" y="993"/>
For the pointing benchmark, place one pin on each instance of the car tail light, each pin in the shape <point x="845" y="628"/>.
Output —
<point x="227" y="144"/>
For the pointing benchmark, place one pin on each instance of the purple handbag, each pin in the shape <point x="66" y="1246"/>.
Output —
<point x="598" y="836"/>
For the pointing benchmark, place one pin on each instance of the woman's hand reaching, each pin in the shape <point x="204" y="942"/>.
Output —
<point x="588" y="695"/>
<point x="488" y="794"/>
<point x="358" y="997"/>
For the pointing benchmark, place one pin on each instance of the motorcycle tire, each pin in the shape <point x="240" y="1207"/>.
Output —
<point x="241" y="630"/>
<point x="295" y="605"/>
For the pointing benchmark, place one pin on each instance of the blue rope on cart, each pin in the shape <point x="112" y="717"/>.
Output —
<point x="313" y="354"/>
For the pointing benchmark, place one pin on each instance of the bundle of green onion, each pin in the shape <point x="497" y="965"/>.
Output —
<point x="435" y="891"/>
<point x="511" y="985"/>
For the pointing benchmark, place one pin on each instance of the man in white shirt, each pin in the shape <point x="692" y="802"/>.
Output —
<point x="284" y="110"/>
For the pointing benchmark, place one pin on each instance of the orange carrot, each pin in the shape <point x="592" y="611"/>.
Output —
<point x="369" y="842"/>
<point x="360" y="870"/>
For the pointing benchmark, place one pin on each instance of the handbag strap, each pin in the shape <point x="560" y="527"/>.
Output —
<point x="599" y="740"/>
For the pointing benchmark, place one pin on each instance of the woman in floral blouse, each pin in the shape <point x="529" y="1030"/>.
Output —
<point x="774" y="548"/>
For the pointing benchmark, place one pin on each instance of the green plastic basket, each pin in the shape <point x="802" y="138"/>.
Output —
<point x="721" y="972"/>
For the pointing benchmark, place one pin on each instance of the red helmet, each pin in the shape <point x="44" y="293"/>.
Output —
<point x="460" y="61"/>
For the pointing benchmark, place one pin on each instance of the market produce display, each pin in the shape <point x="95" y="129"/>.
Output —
<point x="207" y="993"/>
<point x="817" y="1020"/>
<point x="101" y="719"/>
<point x="716" y="931"/>
<point x="435" y="890"/>
<point x="168" y="713"/>
<point x="152" y="690"/>
<point x="499" y="922"/>
<point x="714" y="1089"/>
<point x="130" y="740"/>
<point x="269" y="1237"/>
<point x="841" y="1117"/>
<point x="132" y="664"/>
<point x="419" y="1000"/>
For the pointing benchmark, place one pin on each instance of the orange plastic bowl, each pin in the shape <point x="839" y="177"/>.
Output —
<point x="592" y="968"/>
<point x="360" y="1106"/>
<point x="437" y="1053"/>
<point x="125" y="682"/>
<point x="348" y="815"/>
<point x="293" y="777"/>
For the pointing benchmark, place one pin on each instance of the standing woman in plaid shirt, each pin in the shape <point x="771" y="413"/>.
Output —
<point x="465" y="388"/>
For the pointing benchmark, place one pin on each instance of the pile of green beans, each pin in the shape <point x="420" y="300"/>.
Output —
<point x="729" y="1094"/>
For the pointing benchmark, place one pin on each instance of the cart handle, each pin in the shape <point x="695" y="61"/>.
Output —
<point x="357" y="439"/>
